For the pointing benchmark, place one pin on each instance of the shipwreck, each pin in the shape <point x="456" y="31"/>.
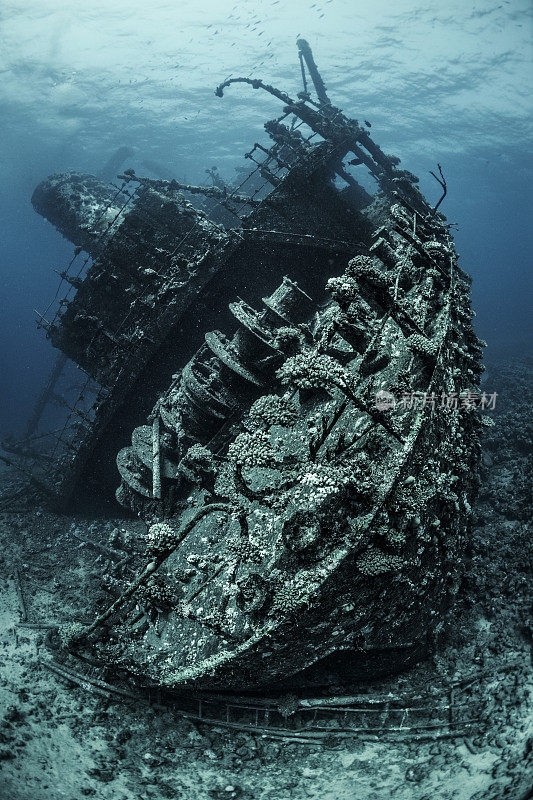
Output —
<point x="272" y="376"/>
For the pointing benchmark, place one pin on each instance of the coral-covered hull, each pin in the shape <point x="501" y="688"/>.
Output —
<point x="309" y="467"/>
<point x="385" y="562"/>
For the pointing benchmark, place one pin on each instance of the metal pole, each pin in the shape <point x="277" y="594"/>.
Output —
<point x="320" y="88"/>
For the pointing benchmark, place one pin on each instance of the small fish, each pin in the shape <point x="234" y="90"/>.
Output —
<point x="367" y="123"/>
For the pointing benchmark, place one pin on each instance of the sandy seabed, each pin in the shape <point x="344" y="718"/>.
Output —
<point x="64" y="741"/>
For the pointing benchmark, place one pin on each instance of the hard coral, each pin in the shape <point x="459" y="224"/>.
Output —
<point x="375" y="562"/>
<point x="421" y="345"/>
<point x="252" y="450"/>
<point x="312" y="370"/>
<point x="273" y="410"/>
<point x="160" y="537"/>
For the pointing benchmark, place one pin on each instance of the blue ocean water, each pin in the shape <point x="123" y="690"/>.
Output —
<point x="448" y="83"/>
